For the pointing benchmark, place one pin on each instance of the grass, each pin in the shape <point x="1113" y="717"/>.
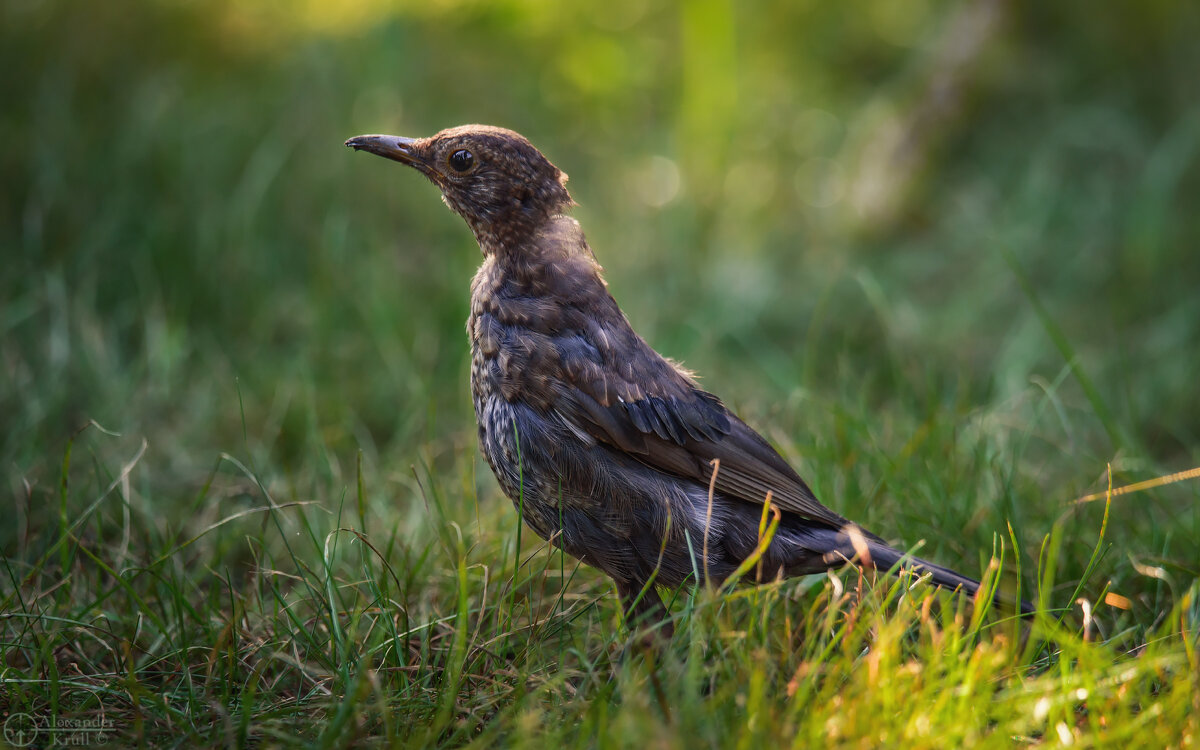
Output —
<point x="261" y="617"/>
<point x="246" y="503"/>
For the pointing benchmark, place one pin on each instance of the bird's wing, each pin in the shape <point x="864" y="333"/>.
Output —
<point x="621" y="392"/>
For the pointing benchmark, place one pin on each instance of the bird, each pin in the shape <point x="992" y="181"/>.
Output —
<point x="610" y="451"/>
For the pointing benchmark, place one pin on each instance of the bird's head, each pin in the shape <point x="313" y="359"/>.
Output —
<point x="492" y="177"/>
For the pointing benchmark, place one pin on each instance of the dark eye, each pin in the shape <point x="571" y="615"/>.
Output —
<point x="461" y="160"/>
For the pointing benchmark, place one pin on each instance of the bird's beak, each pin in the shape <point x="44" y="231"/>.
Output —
<point x="394" y="147"/>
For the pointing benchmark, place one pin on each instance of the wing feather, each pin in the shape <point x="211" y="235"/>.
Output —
<point x="679" y="428"/>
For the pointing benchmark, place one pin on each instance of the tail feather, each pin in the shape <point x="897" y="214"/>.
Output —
<point x="883" y="557"/>
<point x="808" y="548"/>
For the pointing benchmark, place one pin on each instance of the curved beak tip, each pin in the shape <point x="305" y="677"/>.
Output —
<point x="389" y="146"/>
<point x="359" y="142"/>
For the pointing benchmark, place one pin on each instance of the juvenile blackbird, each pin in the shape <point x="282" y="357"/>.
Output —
<point x="608" y="448"/>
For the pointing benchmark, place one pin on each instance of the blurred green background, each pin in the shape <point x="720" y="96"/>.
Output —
<point x="944" y="254"/>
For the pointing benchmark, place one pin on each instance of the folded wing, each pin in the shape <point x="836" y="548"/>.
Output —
<point x="647" y="407"/>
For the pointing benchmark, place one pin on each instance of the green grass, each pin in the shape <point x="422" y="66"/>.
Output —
<point x="259" y="615"/>
<point x="246" y="503"/>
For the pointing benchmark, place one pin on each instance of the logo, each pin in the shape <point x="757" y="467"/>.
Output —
<point x="20" y="730"/>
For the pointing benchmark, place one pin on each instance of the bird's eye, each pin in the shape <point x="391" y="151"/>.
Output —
<point x="461" y="160"/>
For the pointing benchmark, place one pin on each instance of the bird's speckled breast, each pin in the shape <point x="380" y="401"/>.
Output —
<point x="501" y="417"/>
<point x="493" y="414"/>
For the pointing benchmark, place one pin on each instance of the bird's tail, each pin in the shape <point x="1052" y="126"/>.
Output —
<point x="874" y="552"/>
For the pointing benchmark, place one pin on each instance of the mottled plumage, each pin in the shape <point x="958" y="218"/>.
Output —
<point x="608" y="447"/>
